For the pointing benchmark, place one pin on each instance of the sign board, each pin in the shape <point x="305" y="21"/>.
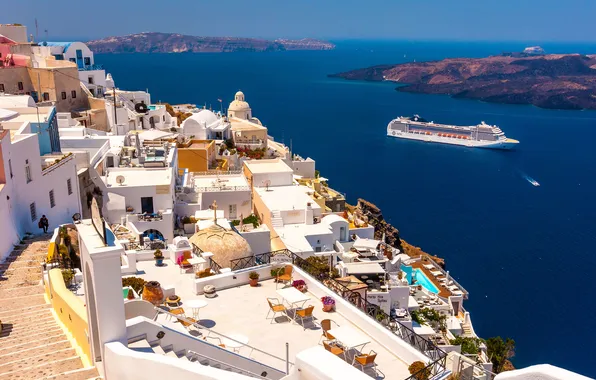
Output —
<point x="280" y="257"/>
<point x="381" y="299"/>
<point x="162" y="189"/>
<point x="97" y="220"/>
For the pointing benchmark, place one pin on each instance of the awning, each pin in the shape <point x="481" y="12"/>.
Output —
<point x="423" y="329"/>
<point x="364" y="268"/>
<point x="366" y="244"/>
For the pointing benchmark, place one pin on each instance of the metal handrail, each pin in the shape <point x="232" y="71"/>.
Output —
<point x="224" y="363"/>
<point x="450" y="277"/>
<point x="200" y="327"/>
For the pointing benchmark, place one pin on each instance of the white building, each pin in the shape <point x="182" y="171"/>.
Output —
<point x="206" y="125"/>
<point x="267" y="173"/>
<point x="91" y="74"/>
<point x="36" y="178"/>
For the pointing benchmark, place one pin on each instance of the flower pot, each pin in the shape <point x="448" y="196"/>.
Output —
<point x="254" y="282"/>
<point x="328" y="308"/>
<point x="159" y="262"/>
<point x="152" y="292"/>
<point x="302" y="288"/>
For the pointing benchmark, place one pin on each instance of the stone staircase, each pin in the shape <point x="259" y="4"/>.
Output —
<point x="32" y="343"/>
<point x="144" y="346"/>
<point x="467" y="330"/>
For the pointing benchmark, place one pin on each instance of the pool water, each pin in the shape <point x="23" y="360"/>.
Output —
<point x="421" y="279"/>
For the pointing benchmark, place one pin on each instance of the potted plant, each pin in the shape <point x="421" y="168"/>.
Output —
<point x="130" y="295"/>
<point x="158" y="256"/>
<point x="277" y="272"/>
<point x="328" y="303"/>
<point x="254" y="279"/>
<point x="300" y="285"/>
<point x="129" y="209"/>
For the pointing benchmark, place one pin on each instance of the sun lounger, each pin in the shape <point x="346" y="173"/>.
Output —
<point x="436" y="273"/>
<point x="429" y="266"/>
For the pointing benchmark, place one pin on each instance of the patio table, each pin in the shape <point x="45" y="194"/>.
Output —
<point x="238" y="342"/>
<point x="293" y="297"/>
<point x="350" y="338"/>
<point x="196" y="306"/>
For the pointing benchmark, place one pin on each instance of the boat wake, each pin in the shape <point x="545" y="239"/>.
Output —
<point x="531" y="180"/>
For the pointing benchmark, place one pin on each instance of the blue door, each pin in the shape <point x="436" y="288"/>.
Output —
<point x="79" y="58"/>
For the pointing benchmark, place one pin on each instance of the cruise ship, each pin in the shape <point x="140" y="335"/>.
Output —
<point x="478" y="136"/>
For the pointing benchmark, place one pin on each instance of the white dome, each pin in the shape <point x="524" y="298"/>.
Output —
<point x="239" y="104"/>
<point x="205" y="117"/>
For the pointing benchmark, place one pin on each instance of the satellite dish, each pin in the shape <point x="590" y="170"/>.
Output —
<point x="120" y="179"/>
<point x="141" y="108"/>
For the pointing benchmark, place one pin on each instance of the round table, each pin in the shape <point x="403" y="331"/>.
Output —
<point x="195" y="305"/>
<point x="238" y="342"/>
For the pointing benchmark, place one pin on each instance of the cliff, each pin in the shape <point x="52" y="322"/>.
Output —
<point x="178" y="43"/>
<point x="557" y="81"/>
<point x="373" y="215"/>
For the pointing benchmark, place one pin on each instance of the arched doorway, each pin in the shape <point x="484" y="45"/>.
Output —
<point x="92" y="315"/>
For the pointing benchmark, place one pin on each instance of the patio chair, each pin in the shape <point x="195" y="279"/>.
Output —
<point x="326" y="326"/>
<point x="276" y="307"/>
<point x="334" y="349"/>
<point x="285" y="277"/>
<point x="366" y="361"/>
<point x="305" y="313"/>
<point x="188" y="322"/>
<point x="183" y="262"/>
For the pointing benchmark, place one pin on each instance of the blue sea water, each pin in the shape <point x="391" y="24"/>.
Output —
<point x="524" y="253"/>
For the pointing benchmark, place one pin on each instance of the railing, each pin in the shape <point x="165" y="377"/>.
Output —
<point x="213" y="265"/>
<point x="91" y="67"/>
<point x="59" y="162"/>
<point x="222" y="188"/>
<point x="375" y="312"/>
<point x="437" y="266"/>
<point x="198" y="326"/>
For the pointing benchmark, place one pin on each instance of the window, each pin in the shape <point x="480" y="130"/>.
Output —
<point x="88" y="62"/>
<point x="69" y="186"/>
<point x="46" y="96"/>
<point x="164" y="118"/>
<point x="1" y="87"/>
<point x="73" y="93"/>
<point x="232" y="212"/>
<point x="10" y="167"/>
<point x="33" y="212"/>
<point x="90" y="80"/>
<point x="92" y="91"/>
<point x="28" y="171"/>
<point x="52" y="200"/>
<point x="63" y="95"/>
<point x="20" y="86"/>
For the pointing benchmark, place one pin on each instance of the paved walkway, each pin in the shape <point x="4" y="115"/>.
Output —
<point x="32" y="344"/>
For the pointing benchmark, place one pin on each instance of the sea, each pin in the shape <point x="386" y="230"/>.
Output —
<point x="526" y="254"/>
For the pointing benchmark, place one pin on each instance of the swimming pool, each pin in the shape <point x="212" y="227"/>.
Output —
<point x="421" y="279"/>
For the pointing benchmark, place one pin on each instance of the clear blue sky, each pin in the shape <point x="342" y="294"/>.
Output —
<point x="523" y="20"/>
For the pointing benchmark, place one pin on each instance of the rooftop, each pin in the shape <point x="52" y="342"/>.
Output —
<point x="267" y="166"/>
<point x="287" y="197"/>
<point x="221" y="183"/>
<point x="242" y="310"/>
<point x="135" y="177"/>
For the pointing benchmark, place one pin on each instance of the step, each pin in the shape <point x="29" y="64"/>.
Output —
<point x="6" y="282"/>
<point x="172" y="354"/>
<point x="158" y="350"/>
<point x="25" y="311"/>
<point x="12" y="327"/>
<point x="141" y="346"/>
<point x="27" y="318"/>
<point x="43" y="369"/>
<point x="34" y="351"/>
<point x="20" y="363"/>
<point x="77" y="374"/>
<point x="21" y="291"/>
<point x="12" y="341"/>
<point x="19" y="303"/>
<point x="40" y="341"/>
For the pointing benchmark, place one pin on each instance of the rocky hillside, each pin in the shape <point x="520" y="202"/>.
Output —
<point x="179" y="43"/>
<point x="558" y="81"/>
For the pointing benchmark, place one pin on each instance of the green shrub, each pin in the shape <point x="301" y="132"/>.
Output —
<point x="67" y="276"/>
<point x="277" y="272"/>
<point x="205" y="273"/>
<point x="253" y="275"/>
<point x="469" y="345"/>
<point x="136" y="283"/>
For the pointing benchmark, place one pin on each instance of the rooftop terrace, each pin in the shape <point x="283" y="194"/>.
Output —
<point x="241" y="310"/>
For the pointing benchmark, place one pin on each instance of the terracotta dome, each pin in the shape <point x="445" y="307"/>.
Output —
<point x="225" y="244"/>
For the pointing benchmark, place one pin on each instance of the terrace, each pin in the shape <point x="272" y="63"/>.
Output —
<point x="239" y="310"/>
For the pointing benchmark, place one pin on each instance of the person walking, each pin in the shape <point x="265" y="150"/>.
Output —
<point x="44" y="223"/>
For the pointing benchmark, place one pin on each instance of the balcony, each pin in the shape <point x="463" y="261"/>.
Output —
<point x="58" y="162"/>
<point x="91" y="67"/>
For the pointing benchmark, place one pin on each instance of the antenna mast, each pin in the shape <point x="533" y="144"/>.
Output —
<point x="36" y="31"/>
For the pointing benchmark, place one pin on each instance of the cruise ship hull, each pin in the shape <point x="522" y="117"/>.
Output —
<point x="505" y="144"/>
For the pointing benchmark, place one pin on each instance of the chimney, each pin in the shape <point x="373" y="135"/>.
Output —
<point x="308" y="214"/>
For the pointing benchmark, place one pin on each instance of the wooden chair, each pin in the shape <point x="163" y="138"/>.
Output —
<point x="326" y="326"/>
<point x="285" y="277"/>
<point x="305" y="313"/>
<point x="188" y="322"/>
<point x="335" y="350"/>
<point x="184" y="264"/>
<point x="366" y="361"/>
<point x="276" y="307"/>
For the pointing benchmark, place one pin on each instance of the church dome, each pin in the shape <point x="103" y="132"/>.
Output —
<point x="239" y="104"/>
<point x="225" y="244"/>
